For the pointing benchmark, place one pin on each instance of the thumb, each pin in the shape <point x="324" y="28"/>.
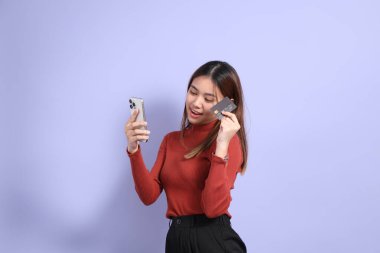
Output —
<point x="133" y="117"/>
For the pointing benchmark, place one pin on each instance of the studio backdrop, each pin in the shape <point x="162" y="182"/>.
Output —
<point x="310" y="75"/>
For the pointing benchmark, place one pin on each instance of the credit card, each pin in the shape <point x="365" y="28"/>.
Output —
<point x="225" y="105"/>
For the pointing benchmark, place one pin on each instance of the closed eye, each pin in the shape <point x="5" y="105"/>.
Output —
<point x="207" y="100"/>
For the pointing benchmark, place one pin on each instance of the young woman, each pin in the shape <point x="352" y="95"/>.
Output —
<point x="197" y="166"/>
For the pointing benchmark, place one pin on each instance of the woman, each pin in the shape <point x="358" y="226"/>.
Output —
<point x="197" y="166"/>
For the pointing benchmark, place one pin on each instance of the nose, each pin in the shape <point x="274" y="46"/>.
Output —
<point x="197" y="102"/>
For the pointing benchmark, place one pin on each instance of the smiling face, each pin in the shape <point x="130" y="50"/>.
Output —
<point x="201" y="96"/>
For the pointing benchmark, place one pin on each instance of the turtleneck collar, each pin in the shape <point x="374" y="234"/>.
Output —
<point x="203" y="127"/>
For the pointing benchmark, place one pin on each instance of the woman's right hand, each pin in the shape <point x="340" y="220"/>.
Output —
<point x="133" y="132"/>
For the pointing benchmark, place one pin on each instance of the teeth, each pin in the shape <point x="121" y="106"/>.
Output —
<point x="195" y="112"/>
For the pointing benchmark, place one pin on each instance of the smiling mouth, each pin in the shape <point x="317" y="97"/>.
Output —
<point x="194" y="112"/>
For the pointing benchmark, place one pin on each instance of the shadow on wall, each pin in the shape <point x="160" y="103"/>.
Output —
<point x="127" y="225"/>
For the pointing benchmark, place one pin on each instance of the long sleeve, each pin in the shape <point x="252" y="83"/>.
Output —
<point x="147" y="183"/>
<point x="216" y="196"/>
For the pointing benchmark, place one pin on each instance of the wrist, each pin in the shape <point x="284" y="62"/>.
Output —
<point x="132" y="150"/>
<point x="221" y="150"/>
<point x="224" y="157"/>
<point x="222" y="144"/>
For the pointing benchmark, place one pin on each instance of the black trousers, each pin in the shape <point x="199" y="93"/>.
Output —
<point x="199" y="234"/>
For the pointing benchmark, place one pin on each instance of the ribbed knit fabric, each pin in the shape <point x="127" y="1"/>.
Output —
<point x="200" y="185"/>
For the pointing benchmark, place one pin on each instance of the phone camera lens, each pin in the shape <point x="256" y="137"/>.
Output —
<point x="131" y="106"/>
<point x="130" y="101"/>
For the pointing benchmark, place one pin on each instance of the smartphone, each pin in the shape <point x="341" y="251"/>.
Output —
<point x="138" y="103"/>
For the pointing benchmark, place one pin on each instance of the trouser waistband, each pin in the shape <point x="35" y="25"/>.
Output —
<point x="198" y="219"/>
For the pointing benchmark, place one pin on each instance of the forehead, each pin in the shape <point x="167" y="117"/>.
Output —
<point x="204" y="84"/>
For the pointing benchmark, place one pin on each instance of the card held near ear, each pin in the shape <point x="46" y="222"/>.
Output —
<point x="225" y="105"/>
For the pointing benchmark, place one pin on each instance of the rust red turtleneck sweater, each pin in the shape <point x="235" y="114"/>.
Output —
<point x="200" y="185"/>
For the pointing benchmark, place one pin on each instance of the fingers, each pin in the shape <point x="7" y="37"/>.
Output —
<point x="230" y="115"/>
<point x="139" y="124"/>
<point x="133" y="116"/>
<point x="227" y="120"/>
<point x="134" y="135"/>
<point x="141" y="131"/>
<point x="136" y="131"/>
<point x="230" y="120"/>
<point x="139" y="138"/>
<point x="135" y="124"/>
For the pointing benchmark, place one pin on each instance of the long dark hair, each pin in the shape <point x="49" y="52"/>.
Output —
<point x="225" y="77"/>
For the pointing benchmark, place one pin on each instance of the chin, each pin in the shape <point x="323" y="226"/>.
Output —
<point x="194" y="121"/>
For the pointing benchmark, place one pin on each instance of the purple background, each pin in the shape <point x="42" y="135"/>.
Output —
<point x="310" y="73"/>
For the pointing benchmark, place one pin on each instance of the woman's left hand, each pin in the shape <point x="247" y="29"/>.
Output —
<point x="229" y="126"/>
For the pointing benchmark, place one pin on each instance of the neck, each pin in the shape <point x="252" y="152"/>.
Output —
<point x="204" y="127"/>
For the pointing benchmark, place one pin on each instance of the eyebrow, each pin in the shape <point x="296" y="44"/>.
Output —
<point x="206" y="94"/>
